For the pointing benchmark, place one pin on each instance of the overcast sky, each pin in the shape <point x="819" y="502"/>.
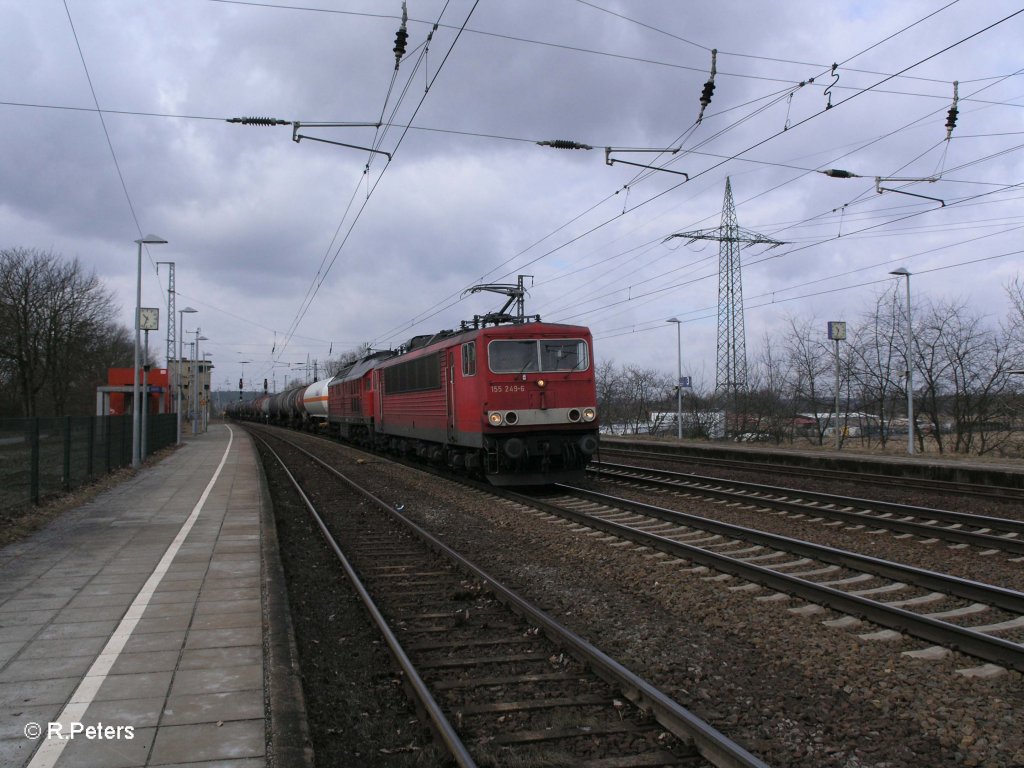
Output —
<point x="114" y="126"/>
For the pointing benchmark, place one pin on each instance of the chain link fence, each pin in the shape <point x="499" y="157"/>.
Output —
<point x="41" y="457"/>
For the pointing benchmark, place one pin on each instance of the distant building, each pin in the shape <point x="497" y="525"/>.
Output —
<point x="204" y="369"/>
<point x="115" y="398"/>
<point x="695" y="424"/>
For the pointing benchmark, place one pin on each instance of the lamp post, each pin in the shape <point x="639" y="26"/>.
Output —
<point x="207" y="392"/>
<point x="195" y="384"/>
<point x="177" y="378"/>
<point x="904" y="272"/>
<point x="136" y="405"/>
<point x="145" y="400"/>
<point x="679" y="375"/>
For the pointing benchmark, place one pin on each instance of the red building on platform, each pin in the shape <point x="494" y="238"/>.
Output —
<point x="115" y="399"/>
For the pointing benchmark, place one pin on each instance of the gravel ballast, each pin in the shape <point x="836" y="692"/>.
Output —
<point x="792" y="690"/>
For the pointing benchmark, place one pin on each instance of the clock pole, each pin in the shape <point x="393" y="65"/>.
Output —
<point x="136" y="404"/>
<point x="145" y="394"/>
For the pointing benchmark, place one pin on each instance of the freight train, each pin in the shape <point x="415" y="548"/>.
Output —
<point x="515" y="403"/>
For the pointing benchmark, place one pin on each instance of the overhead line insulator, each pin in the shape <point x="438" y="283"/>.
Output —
<point x="709" y="86"/>
<point x="259" y="121"/>
<point x="401" y="37"/>
<point x="563" y="144"/>
<point x="953" y="112"/>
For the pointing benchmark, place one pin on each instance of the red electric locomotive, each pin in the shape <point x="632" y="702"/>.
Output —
<point x="515" y="403"/>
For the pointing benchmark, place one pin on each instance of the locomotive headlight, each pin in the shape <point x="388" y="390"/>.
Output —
<point x="541" y="383"/>
<point x="495" y="419"/>
<point x="589" y="414"/>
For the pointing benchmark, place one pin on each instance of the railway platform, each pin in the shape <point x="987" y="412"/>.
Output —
<point x="149" y="627"/>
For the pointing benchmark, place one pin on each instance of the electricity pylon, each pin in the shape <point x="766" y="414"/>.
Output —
<point x="731" y="372"/>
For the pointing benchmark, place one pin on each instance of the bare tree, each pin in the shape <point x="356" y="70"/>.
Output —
<point x="51" y="315"/>
<point x="1015" y="290"/>
<point x="22" y="326"/>
<point x="964" y="365"/>
<point x="877" y="366"/>
<point x="768" y="412"/>
<point x="627" y="396"/>
<point x="609" y="396"/>
<point x="78" y="313"/>
<point x="809" y="362"/>
<point x="644" y="390"/>
<point x="335" y="365"/>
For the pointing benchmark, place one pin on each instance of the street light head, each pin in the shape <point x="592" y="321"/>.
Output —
<point x="188" y="309"/>
<point x="151" y="240"/>
<point x="901" y="272"/>
<point x="673" y="320"/>
<point x="201" y="338"/>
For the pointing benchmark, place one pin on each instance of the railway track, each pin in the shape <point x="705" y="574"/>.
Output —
<point x="495" y="676"/>
<point x="990" y="534"/>
<point x="972" y="490"/>
<point x="902" y="599"/>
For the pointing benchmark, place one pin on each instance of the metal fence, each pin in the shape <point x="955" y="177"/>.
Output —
<point x="41" y="457"/>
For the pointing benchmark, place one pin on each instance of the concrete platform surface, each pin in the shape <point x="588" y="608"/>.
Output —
<point x="132" y="628"/>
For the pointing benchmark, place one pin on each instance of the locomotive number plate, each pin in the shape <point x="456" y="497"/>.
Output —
<point x="499" y="388"/>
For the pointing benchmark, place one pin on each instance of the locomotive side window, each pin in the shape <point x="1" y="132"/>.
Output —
<point x="544" y="355"/>
<point x="413" y="376"/>
<point x="469" y="359"/>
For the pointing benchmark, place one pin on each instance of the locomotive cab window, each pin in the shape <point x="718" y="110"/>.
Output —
<point x="563" y="355"/>
<point x="469" y="359"/>
<point x="537" y="355"/>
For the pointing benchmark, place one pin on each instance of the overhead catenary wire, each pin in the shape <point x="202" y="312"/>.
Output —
<point x="946" y="48"/>
<point x="636" y="59"/>
<point x="742" y="159"/>
<point x="358" y="214"/>
<point x="106" y="133"/>
<point x="664" y="289"/>
<point x="774" y="300"/>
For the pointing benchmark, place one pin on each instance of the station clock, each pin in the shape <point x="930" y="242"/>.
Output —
<point x="149" y="318"/>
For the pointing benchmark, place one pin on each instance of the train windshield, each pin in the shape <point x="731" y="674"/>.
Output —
<point x="537" y="355"/>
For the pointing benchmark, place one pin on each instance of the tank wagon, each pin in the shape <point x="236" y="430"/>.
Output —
<point x="514" y="403"/>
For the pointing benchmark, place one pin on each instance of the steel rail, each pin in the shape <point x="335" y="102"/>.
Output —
<point x="756" y="464"/>
<point x="709" y="742"/>
<point x="441" y="725"/>
<point x="1000" y="597"/>
<point x="735" y="491"/>
<point x="973" y="643"/>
